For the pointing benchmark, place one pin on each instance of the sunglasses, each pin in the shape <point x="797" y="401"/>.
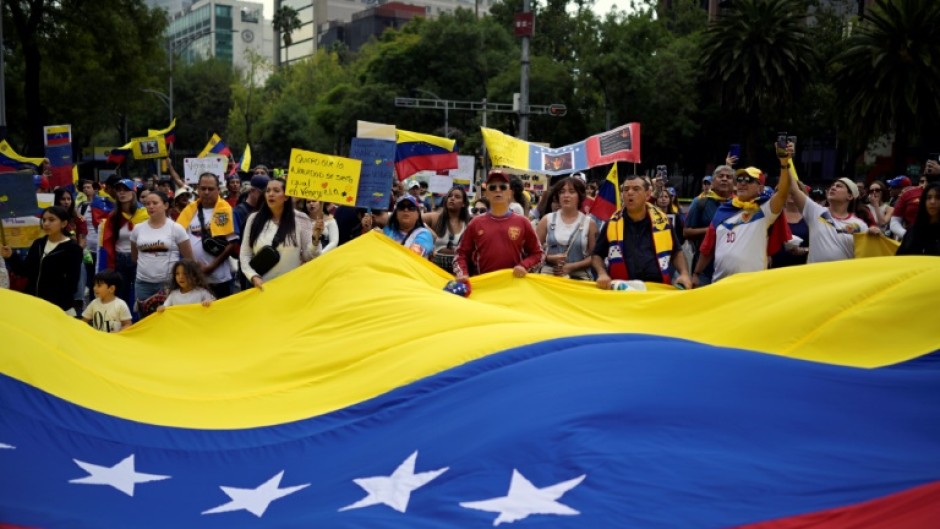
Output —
<point x="745" y="180"/>
<point x="478" y="211"/>
<point x="407" y="207"/>
<point x="494" y="187"/>
<point x="875" y="190"/>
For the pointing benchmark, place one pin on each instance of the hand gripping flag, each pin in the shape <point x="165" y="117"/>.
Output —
<point x="215" y="147"/>
<point x="423" y="152"/>
<point x="169" y="133"/>
<point x="10" y="161"/>
<point x="550" y="404"/>
<point x="607" y="202"/>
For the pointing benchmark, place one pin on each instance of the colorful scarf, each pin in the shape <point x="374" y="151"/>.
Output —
<point x="221" y="223"/>
<point x="106" y="250"/>
<point x="662" y="244"/>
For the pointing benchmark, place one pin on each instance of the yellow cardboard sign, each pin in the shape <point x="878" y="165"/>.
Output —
<point x="150" y="147"/>
<point x="20" y="232"/>
<point x="506" y="151"/>
<point x="316" y="176"/>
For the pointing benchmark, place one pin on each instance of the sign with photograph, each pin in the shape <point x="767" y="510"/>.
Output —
<point x="149" y="147"/>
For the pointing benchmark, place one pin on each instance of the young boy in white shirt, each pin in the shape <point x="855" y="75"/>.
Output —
<point x="107" y="312"/>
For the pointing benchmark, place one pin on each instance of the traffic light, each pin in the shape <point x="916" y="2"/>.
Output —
<point x="557" y="110"/>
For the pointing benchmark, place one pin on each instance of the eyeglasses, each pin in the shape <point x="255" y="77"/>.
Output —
<point x="407" y="207"/>
<point x="745" y="180"/>
<point x="478" y="211"/>
<point x="494" y="187"/>
<point x="875" y="190"/>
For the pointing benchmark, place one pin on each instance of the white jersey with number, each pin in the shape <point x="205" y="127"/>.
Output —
<point x="830" y="238"/>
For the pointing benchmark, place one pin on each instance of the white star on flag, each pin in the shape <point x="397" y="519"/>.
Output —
<point x="394" y="490"/>
<point x="255" y="500"/>
<point x="524" y="499"/>
<point x="7" y="447"/>
<point x="121" y="476"/>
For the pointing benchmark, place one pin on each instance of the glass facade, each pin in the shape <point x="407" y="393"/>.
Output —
<point x="223" y="33"/>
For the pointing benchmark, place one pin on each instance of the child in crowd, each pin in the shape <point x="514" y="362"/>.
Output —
<point x="188" y="286"/>
<point x="107" y="312"/>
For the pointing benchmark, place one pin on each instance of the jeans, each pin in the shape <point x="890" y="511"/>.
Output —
<point x="144" y="290"/>
<point x="124" y="265"/>
<point x="221" y="290"/>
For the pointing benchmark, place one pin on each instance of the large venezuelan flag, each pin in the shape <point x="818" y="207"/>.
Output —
<point x="423" y="152"/>
<point x="10" y="161"/>
<point x="355" y="393"/>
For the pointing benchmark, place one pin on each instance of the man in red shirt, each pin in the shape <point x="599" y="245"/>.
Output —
<point x="905" y="209"/>
<point x="498" y="239"/>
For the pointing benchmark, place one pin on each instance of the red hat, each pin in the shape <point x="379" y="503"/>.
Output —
<point x="497" y="174"/>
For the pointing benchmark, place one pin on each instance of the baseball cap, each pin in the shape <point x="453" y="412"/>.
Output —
<point x="752" y="172"/>
<point x="899" y="181"/>
<point x="497" y="174"/>
<point x="410" y="183"/>
<point x="128" y="183"/>
<point x="579" y="176"/>
<point x="260" y="182"/>
<point x="185" y="190"/>
<point x="853" y="187"/>
<point x="407" y="198"/>
<point x="708" y="178"/>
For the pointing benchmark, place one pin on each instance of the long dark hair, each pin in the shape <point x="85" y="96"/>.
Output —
<point x="116" y="219"/>
<point x="916" y="239"/>
<point x="57" y="196"/>
<point x="63" y="215"/>
<point x="443" y="220"/>
<point x="286" y="227"/>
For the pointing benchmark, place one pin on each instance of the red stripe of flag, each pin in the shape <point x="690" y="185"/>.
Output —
<point x="916" y="508"/>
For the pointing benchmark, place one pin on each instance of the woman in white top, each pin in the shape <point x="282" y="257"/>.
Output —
<point x="832" y="229"/>
<point x="325" y="230"/>
<point x="155" y="246"/>
<point x="278" y="220"/>
<point x="567" y="235"/>
<point x="448" y="225"/>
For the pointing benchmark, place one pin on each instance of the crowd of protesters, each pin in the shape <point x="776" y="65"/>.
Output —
<point x="118" y="251"/>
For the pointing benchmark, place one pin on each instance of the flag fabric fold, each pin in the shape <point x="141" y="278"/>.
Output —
<point x="118" y="155"/>
<point x="551" y="403"/>
<point x="608" y="201"/>
<point x="215" y="147"/>
<point x="423" y="152"/>
<point x="244" y="163"/>
<point x="169" y="133"/>
<point x="10" y="161"/>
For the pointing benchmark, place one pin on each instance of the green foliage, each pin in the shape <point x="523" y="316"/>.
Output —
<point x="84" y="63"/>
<point x="202" y="101"/>
<point x="759" y="60"/>
<point x="887" y="75"/>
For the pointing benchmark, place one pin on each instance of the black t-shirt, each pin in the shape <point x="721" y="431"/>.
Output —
<point x="639" y="255"/>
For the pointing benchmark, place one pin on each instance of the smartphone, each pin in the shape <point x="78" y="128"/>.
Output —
<point x="792" y="139"/>
<point x="782" y="140"/>
<point x="734" y="150"/>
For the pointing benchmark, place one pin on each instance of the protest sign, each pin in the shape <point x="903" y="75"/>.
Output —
<point x="377" y="131"/>
<point x="20" y="232"/>
<point x="375" y="178"/>
<point x="58" y="142"/>
<point x="18" y="195"/>
<point x="464" y="173"/>
<point x="149" y="147"/>
<point x="193" y="167"/>
<point x="315" y="176"/>
<point x="440" y="184"/>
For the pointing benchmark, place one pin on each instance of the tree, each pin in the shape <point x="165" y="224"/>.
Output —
<point x="758" y="59"/>
<point x="286" y="21"/>
<point x="81" y="62"/>
<point x="887" y="76"/>
<point x="203" y="99"/>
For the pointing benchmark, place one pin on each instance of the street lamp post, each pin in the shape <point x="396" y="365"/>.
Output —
<point x="446" y="108"/>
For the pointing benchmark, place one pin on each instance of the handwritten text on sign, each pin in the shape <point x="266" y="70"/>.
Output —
<point x="316" y="176"/>
<point x="193" y="168"/>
